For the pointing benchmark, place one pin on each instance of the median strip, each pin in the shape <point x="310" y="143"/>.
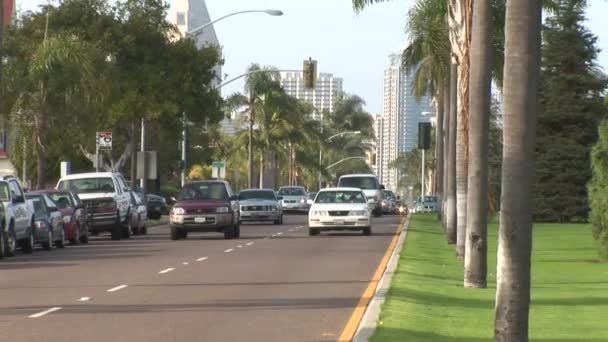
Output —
<point x="117" y="288"/>
<point x="45" y="312"/>
<point x="167" y="270"/>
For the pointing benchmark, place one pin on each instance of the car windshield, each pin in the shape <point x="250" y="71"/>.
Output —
<point x="63" y="199"/>
<point x="366" y="183"/>
<point x="291" y="192"/>
<point x="4" y="194"/>
<point x="388" y="195"/>
<point x="257" y="195"/>
<point x="88" y="185"/>
<point x="203" y="191"/>
<point x="327" y="197"/>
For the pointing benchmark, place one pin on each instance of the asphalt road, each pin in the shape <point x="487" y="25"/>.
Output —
<point x="274" y="284"/>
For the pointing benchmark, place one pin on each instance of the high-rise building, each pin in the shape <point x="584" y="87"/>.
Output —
<point x="402" y="112"/>
<point x="323" y="97"/>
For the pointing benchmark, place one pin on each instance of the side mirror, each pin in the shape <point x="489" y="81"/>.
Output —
<point x="172" y="200"/>
<point x="279" y="198"/>
<point x="382" y="187"/>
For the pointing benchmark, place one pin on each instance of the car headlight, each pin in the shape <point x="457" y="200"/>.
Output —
<point x="222" y="210"/>
<point x="178" y="211"/>
<point x="67" y="219"/>
<point x="302" y="200"/>
<point x="358" y="213"/>
<point x="319" y="213"/>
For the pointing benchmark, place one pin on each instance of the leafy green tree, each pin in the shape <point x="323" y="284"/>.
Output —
<point x="571" y="109"/>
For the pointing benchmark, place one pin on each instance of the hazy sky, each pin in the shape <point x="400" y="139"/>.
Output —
<point x="352" y="46"/>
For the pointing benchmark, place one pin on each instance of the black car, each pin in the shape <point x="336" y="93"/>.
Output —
<point x="2" y="233"/>
<point x="156" y="205"/>
<point x="49" y="221"/>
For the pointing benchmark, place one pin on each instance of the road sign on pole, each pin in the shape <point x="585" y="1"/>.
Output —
<point x="218" y="169"/>
<point x="104" y="139"/>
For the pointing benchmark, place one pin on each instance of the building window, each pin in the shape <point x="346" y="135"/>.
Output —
<point x="181" y="18"/>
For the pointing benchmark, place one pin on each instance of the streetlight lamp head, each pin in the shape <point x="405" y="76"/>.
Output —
<point x="276" y="13"/>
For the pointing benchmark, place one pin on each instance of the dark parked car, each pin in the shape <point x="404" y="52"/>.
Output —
<point x="156" y="206"/>
<point x="2" y="227"/>
<point x="75" y="216"/>
<point x="205" y="206"/>
<point x="48" y="221"/>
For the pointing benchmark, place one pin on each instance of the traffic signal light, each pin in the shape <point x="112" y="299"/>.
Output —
<point x="424" y="135"/>
<point x="310" y="73"/>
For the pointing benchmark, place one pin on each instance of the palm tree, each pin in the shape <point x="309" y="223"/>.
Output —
<point x="522" y="68"/>
<point x="60" y="70"/>
<point x="475" y="265"/>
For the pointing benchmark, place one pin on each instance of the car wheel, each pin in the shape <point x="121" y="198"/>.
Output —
<point x="76" y="240"/>
<point x="84" y="238"/>
<point x="117" y="229"/>
<point x="377" y="212"/>
<point x="183" y="233"/>
<point x="10" y="242"/>
<point x="237" y="230"/>
<point x="314" y="231"/>
<point x="27" y="245"/>
<point x="144" y="230"/>
<point x="229" y="233"/>
<point x="2" y="244"/>
<point x="367" y="231"/>
<point x="175" y="234"/>
<point x="48" y="245"/>
<point x="127" y="231"/>
<point x="60" y="243"/>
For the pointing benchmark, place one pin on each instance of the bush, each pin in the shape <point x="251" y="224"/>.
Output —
<point x="598" y="191"/>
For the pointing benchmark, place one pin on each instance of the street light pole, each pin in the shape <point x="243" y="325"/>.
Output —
<point x="194" y="32"/>
<point x="321" y="150"/>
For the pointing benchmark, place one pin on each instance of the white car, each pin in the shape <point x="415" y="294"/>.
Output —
<point x="340" y="209"/>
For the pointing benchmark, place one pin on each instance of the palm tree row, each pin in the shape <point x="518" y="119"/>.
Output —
<point x="284" y="135"/>
<point x="447" y="37"/>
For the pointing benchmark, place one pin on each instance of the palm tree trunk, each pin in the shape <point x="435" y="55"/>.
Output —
<point x="521" y="70"/>
<point x="451" y="217"/>
<point x="250" y="157"/>
<point x="439" y="133"/>
<point x="446" y="144"/>
<point x="476" y="249"/>
<point x="462" y="152"/>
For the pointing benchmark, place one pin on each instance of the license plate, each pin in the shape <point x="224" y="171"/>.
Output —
<point x="199" y="220"/>
<point x="339" y="222"/>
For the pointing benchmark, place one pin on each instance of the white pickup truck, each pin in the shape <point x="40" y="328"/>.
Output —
<point x="19" y="221"/>
<point x="107" y="199"/>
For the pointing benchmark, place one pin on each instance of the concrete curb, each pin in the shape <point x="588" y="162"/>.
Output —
<point x="368" y="324"/>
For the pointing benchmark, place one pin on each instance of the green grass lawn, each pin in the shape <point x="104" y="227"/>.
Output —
<point x="427" y="301"/>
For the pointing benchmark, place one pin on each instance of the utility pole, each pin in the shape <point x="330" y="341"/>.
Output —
<point x="184" y="147"/>
<point x="144" y="176"/>
<point x="251" y="120"/>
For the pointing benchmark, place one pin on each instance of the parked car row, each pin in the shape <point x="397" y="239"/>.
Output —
<point x="80" y="206"/>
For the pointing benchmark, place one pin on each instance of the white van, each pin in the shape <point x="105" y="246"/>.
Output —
<point x="370" y="185"/>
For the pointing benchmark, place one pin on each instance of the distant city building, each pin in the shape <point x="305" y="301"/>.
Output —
<point x="398" y="125"/>
<point x="323" y="97"/>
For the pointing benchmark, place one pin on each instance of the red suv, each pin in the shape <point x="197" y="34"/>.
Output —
<point x="205" y="206"/>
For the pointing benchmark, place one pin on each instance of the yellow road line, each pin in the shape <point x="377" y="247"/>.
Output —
<point x="355" y="319"/>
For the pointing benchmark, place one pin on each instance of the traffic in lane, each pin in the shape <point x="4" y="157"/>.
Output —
<point x="312" y="283"/>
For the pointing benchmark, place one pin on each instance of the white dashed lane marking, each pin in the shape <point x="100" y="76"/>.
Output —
<point x="45" y="312"/>
<point x="239" y="246"/>
<point x="167" y="270"/>
<point x="228" y="250"/>
<point x="117" y="288"/>
<point x="202" y="259"/>
<point x="280" y="233"/>
<point x="185" y="263"/>
<point x="84" y="299"/>
<point x="249" y="243"/>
